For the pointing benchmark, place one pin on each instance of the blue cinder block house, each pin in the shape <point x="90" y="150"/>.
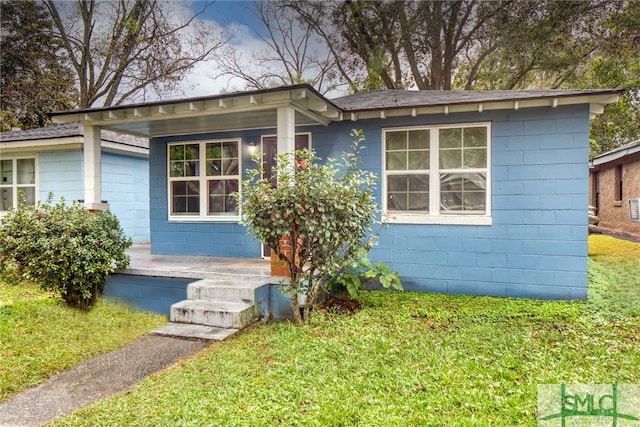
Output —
<point x="52" y="160"/>
<point x="486" y="191"/>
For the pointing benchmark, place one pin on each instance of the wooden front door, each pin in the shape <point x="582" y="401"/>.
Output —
<point x="269" y="157"/>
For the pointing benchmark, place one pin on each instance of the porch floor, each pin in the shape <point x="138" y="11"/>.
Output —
<point x="144" y="263"/>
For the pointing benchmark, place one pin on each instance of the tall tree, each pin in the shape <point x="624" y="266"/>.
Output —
<point x="34" y="78"/>
<point x="292" y="53"/>
<point x="129" y="50"/>
<point x="617" y="64"/>
<point x="461" y="44"/>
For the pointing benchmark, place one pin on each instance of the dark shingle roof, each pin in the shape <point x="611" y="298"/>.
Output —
<point x="395" y="98"/>
<point x="66" y="130"/>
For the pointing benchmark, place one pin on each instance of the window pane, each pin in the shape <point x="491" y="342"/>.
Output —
<point x="408" y="192"/>
<point x="185" y="197"/>
<point x="397" y="183"/>
<point x="184" y="160"/>
<point x="192" y="168"/>
<point x="6" y="172"/>
<point x="29" y="195"/>
<point x="418" y="182"/>
<point x="214" y="151"/>
<point x="230" y="166"/>
<point x="214" y="167"/>
<point x="419" y="159"/>
<point x="474" y="201"/>
<point x="396" y="140"/>
<point x="450" y="159"/>
<point x="419" y="139"/>
<point x="397" y="201"/>
<point x="475" y="158"/>
<point x="191" y="152"/>
<point x="222" y="158"/>
<point x="6" y="199"/>
<point x="26" y="171"/>
<point x="221" y="200"/>
<point x="475" y="137"/>
<point x="450" y="138"/>
<point x="463" y="192"/>
<point x="397" y="160"/>
<point x="176" y="152"/>
<point x="230" y="150"/>
<point x="176" y="169"/>
<point x="419" y="201"/>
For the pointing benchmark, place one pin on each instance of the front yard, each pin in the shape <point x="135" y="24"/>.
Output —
<point x="40" y="335"/>
<point x="404" y="359"/>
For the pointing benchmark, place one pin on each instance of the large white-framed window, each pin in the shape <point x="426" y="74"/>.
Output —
<point x="438" y="174"/>
<point x="17" y="175"/>
<point x="203" y="175"/>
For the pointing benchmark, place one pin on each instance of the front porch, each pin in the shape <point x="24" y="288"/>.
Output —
<point x="212" y="294"/>
<point x="144" y="263"/>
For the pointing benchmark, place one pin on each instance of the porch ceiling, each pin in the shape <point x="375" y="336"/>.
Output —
<point x="227" y="112"/>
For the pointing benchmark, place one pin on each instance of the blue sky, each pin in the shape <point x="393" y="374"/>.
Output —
<point x="229" y="12"/>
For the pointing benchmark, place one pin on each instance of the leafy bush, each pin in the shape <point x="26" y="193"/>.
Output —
<point x="353" y="277"/>
<point x="64" y="248"/>
<point x="326" y="212"/>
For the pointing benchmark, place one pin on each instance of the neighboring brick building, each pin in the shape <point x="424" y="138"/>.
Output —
<point x="614" y="179"/>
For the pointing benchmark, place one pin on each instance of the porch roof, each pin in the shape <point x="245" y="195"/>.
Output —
<point x="224" y="112"/>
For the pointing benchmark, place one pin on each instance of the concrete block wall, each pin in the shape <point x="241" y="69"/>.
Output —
<point x="188" y="237"/>
<point x="536" y="245"/>
<point x="125" y="185"/>
<point x="61" y="173"/>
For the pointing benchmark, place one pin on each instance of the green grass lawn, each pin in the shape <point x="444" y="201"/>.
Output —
<point x="40" y="336"/>
<point x="404" y="359"/>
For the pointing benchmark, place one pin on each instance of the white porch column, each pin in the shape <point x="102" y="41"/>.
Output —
<point x="93" y="169"/>
<point x="286" y="130"/>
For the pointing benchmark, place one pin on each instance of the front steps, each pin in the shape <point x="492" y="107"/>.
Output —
<point x="214" y="309"/>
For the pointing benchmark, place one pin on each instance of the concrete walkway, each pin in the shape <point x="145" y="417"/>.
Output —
<point x="95" y="379"/>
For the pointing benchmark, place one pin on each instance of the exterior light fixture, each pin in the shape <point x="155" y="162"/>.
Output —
<point x="252" y="147"/>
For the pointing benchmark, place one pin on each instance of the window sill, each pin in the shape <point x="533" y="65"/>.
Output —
<point x="617" y="203"/>
<point x="191" y="219"/>
<point x="440" y="219"/>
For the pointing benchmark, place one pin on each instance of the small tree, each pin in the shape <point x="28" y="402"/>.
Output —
<point x="326" y="213"/>
<point x="64" y="248"/>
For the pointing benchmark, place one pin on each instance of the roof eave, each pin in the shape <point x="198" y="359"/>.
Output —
<point x="596" y="101"/>
<point x="614" y="155"/>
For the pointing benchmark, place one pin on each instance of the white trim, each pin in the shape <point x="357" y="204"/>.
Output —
<point x="202" y="179"/>
<point x="14" y="185"/>
<point x="436" y="216"/>
<point x="447" y="219"/>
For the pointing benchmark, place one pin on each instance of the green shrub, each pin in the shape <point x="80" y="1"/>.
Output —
<point x="63" y="248"/>
<point x="327" y="211"/>
<point x="353" y="277"/>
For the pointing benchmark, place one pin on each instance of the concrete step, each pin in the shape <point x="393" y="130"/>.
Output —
<point x="223" y="290"/>
<point x="193" y="332"/>
<point x="222" y="314"/>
